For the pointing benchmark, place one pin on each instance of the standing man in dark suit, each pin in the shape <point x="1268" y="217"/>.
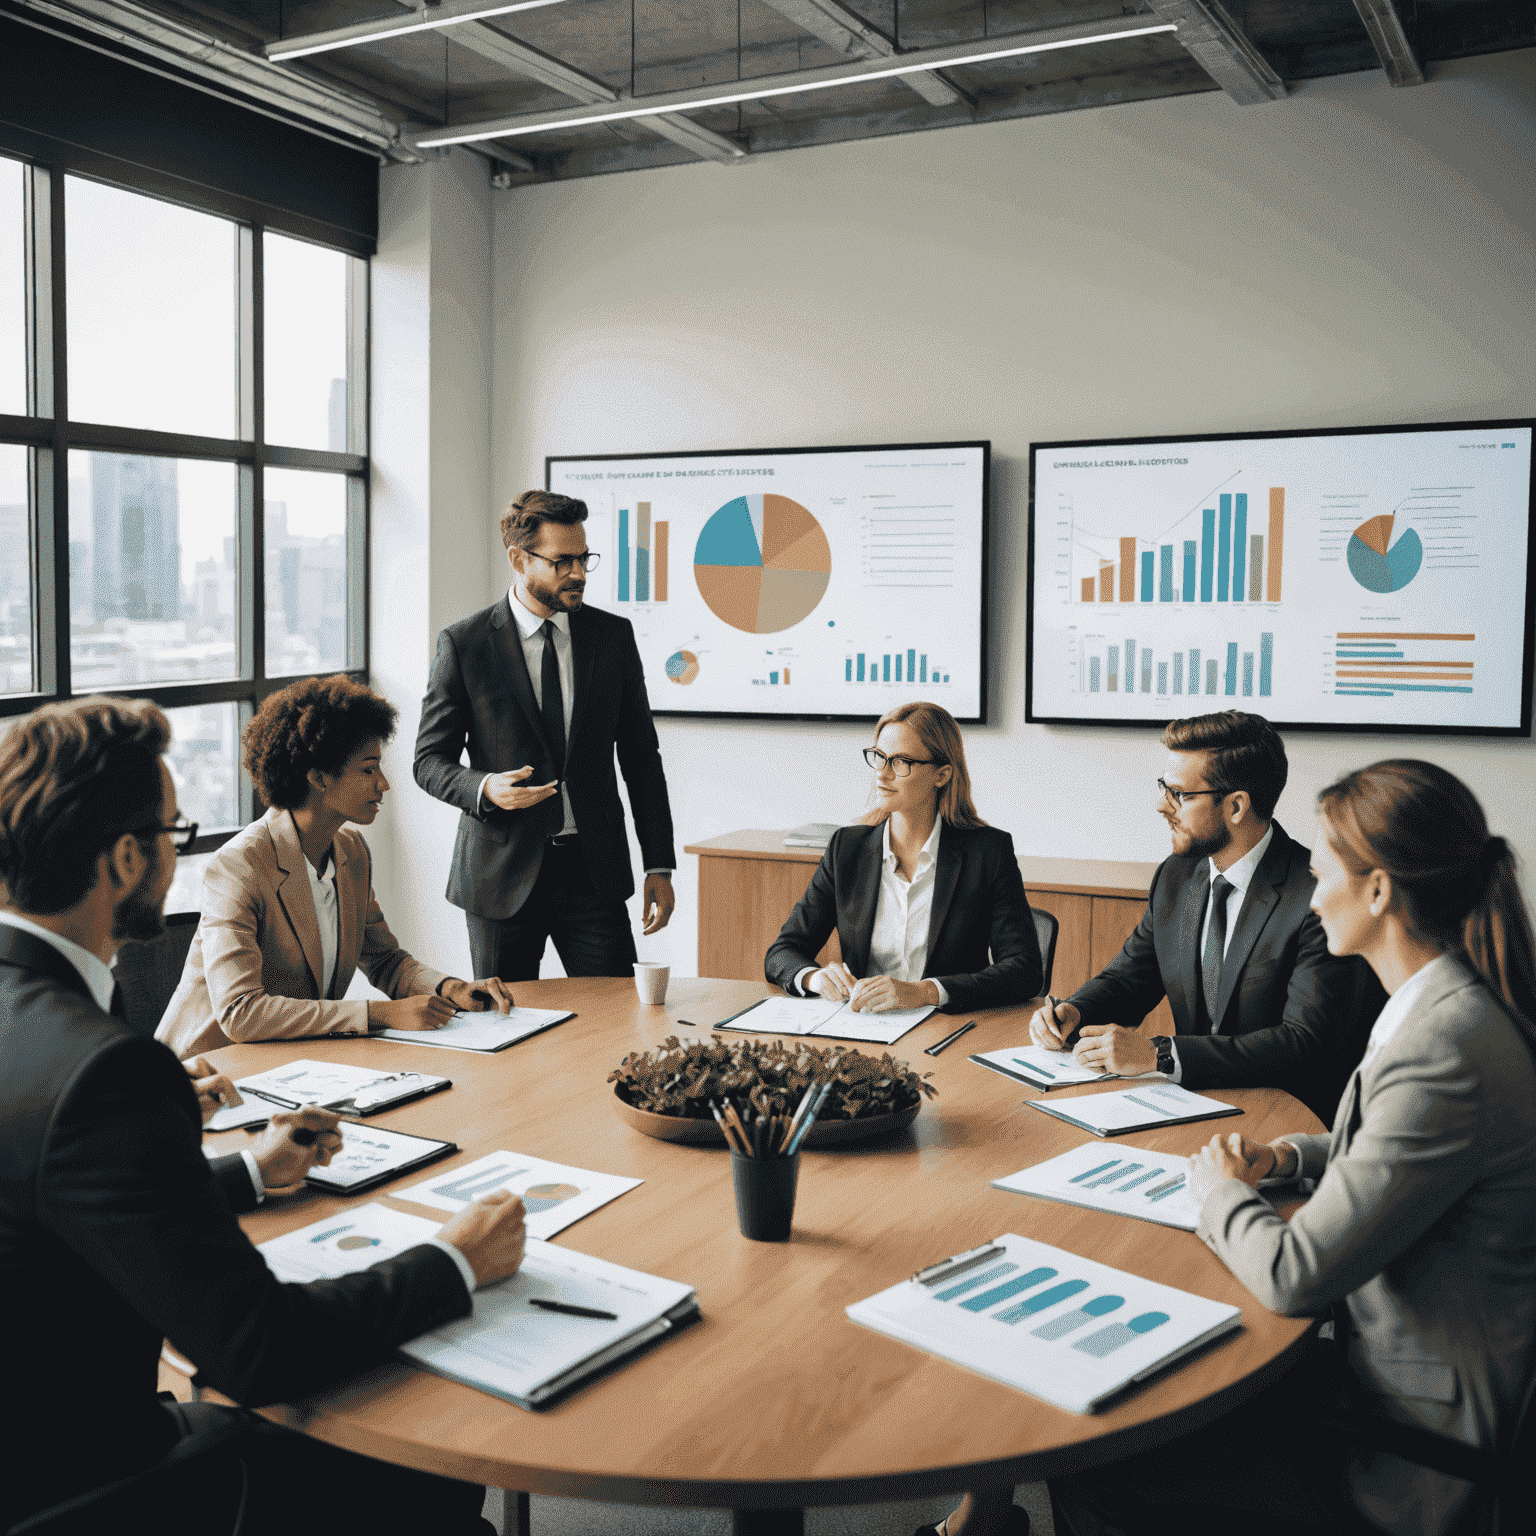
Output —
<point x="544" y="691"/>
<point x="115" y="1231"/>
<point x="1228" y="937"/>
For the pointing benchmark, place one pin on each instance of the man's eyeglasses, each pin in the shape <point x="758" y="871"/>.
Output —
<point x="568" y="563"/>
<point x="1179" y="796"/>
<point x="183" y="832"/>
<point x="900" y="766"/>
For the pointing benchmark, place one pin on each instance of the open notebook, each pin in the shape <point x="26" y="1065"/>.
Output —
<point x="482" y="1032"/>
<point x="826" y="1020"/>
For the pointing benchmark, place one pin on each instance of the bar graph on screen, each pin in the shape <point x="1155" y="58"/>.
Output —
<point x="1240" y="669"/>
<point x="641" y="574"/>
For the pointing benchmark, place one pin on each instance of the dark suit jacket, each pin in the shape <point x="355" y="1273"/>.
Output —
<point x="480" y="697"/>
<point x="1289" y="1014"/>
<point x="115" y="1233"/>
<point x="978" y="904"/>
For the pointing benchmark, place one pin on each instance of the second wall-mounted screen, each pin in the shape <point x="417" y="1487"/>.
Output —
<point x="827" y="583"/>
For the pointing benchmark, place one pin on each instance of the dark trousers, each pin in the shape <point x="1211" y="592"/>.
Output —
<point x="592" y="937"/>
<point x="291" y="1483"/>
<point x="1259" y="1471"/>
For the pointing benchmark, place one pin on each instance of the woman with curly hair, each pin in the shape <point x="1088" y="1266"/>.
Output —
<point x="288" y="907"/>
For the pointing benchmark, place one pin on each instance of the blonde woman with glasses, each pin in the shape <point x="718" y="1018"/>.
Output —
<point x="926" y="898"/>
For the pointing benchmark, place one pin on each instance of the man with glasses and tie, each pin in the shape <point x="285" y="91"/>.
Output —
<point x="1228" y="937"/>
<point x="545" y="693"/>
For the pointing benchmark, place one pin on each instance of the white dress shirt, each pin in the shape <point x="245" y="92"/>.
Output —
<point x="898" y="944"/>
<point x="530" y="633"/>
<point x="1397" y="1008"/>
<point x="322" y="888"/>
<point x="97" y="975"/>
<point x="1239" y="876"/>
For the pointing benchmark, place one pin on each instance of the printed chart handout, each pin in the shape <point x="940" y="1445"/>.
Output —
<point x="1135" y="1109"/>
<point x="343" y="1244"/>
<point x="481" y="1031"/>
<point x="1336" y="579"/>
<point x="1048" y="1322"/>
<point x="555" y="1194"/>
<point x="1150" y="1186"/>
<point x="831" y="582"/>
<point x="1037" y="1067"/>
<point x="372" y="1155"/>
<point x="334" y="1085"/>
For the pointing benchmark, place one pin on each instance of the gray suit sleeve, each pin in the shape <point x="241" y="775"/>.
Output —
<point x="1414" y="1156"/>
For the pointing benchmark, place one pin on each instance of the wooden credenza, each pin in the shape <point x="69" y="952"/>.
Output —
<point x="749" y="882"/>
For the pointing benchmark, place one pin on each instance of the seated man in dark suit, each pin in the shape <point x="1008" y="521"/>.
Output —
<point x="115" y="1230"/>
<point x="1228" y="937"/>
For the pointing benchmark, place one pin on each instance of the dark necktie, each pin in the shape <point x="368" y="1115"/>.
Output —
<point x="1215" y="946"/>
<point x="551" y="704"/>
<point x="118" y="1007"/>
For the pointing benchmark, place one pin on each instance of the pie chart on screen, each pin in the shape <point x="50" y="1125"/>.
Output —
<point x="1376" y="562"/>
<point x="762" y="563"/>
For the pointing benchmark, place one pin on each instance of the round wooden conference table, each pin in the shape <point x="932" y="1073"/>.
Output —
<point x="775" y="1400"/>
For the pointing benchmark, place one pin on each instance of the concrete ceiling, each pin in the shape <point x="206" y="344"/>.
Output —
<point x="607" y="51"/>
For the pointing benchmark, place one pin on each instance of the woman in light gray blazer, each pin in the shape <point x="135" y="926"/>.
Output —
<point x="1422" y="1231"/>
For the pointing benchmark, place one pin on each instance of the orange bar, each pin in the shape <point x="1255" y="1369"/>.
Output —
<point x="786" y="669"/>
<point x="659" y="575"/>
<point x="1420" y="677"/>
<point x="1087" y="589"/>
<point x="1276" y="542"/>
<point x="1127" y="570"/>
<point x="1106" y="583"/>
<point x="1386" y="634"/>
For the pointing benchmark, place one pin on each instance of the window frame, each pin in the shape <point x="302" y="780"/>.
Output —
<point x="51" y="434"/>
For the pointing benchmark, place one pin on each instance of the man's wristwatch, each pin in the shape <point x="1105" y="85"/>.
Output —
<point x="1164" y="1047"/>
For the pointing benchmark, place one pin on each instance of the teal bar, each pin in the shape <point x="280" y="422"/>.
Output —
<point x="1239" y="544"/>
<point x="1146" y="576"/>
<point x="1165" y="575"/>
<point x="1231" y="667"/>
<point x="623" y="554"/>
<point x="1207" y="552"/>
<point x="1224" y="553"/>
<point x="1189" y="570"/>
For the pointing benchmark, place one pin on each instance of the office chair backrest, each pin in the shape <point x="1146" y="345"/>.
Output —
<point x="148" y="971"/>
<point x="1046" y="929"/>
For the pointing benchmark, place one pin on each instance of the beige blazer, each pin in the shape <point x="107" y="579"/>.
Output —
<point x="253" y="972"/>
<point x="1424" y="1223"/>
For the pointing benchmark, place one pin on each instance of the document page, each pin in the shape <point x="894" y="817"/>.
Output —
<point x="370" y="1154"/>
<point x="1048" y="1322"/>
<point x="333" y="1084"/>
<point x="232" y="1117"/>
<point x="517" y="1350"/>
<point x="343" y="1244"/>
<point x="1037" y="1067"/>
<point x="555" y="1194"/>
<point x="481" y="1031"/>
<point x="1136" y="1109"/>
<point x="1150" y="1186"/>
<point x="826" y="1020"/>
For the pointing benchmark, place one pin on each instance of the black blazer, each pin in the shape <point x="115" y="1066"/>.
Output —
<point x="480" y="697"/>
<point x="1289" y="1015"/>
<point x="978" y="904"/>
<point x="115" y="1233"/>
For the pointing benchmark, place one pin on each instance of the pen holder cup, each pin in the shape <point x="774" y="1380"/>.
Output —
<point x="765" y="1195"/>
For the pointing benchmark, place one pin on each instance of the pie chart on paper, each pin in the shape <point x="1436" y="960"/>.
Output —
<point x="762" y="563"/>
<point x="1376" y="562"/>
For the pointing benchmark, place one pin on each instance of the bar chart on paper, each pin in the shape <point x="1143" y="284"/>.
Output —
<point x="1317" y="579"/>
<point x="1048" y="1321"/>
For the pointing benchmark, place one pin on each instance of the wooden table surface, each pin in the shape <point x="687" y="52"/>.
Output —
<point x="775" y="1400"/>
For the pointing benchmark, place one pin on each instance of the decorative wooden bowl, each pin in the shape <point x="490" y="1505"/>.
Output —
<point x="705" y="1133"/>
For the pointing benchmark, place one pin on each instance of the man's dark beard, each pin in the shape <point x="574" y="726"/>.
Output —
<point x="550" y="597"/>
<point x="1206" y="847"/>
<point x="138" y="917"/>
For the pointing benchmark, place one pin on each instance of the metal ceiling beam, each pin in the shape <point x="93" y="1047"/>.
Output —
<point x="521" y="59"/>
<point x="1223" y="50"/>
<point x="851" y="35"/>
<point x="422" y="18"/>
<point x="229" y="71"/>
<point x="697" y="98"/>
<point x="1389" y="36"/>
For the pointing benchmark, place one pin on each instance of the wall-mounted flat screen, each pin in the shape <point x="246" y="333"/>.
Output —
<point x="1370" y="579"/>
<point x="797" y="583"/>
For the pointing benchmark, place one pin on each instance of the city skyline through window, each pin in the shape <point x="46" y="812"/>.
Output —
<point x="195" y="531"/>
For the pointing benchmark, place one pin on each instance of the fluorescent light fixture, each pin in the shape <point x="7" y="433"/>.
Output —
<point x="827" y="78"/>
<point x="452" y="14"/>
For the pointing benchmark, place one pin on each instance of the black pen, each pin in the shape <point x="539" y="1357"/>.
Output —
<point x="272" y="1098"/>
<point x="571" y="1311"/>
<point x="933" y="1050"/>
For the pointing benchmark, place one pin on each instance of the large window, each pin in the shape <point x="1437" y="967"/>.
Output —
<point x="183" y="479"/>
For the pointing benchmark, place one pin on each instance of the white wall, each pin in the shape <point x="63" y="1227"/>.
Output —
<point x="1351" y="255"/>
<point x="431" y="487"/>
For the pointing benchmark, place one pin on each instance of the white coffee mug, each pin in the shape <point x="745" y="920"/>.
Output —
<point x="651" y="982"/>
